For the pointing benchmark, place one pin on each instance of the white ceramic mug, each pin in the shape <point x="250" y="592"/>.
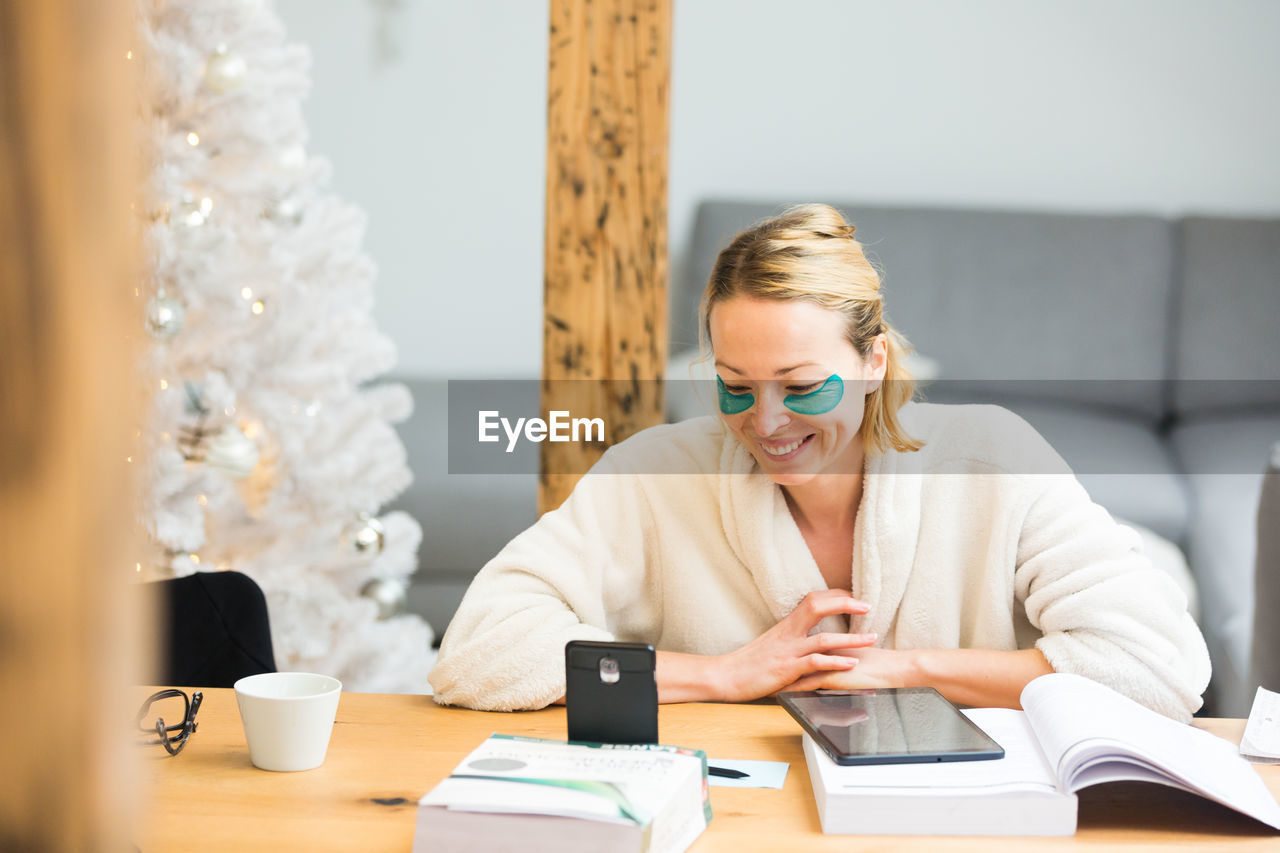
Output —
<point x="287" y="717"/>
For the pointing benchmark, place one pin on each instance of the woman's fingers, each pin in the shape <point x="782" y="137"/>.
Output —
<point x="826" y="642"/>
<point x="815" y="681"/>
<point x="819" y="662"/>
<point x="840" y="599"/>
<point x="818" y="605"/>
<point x="787" y="651"/>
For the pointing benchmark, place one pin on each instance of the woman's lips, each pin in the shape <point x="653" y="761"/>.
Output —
<point x="782" y="451"/>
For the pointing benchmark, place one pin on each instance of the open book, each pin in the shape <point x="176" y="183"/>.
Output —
<point x="1072" y="734"/>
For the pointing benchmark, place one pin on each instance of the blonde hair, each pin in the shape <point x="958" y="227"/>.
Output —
<point x="809" y="253"/>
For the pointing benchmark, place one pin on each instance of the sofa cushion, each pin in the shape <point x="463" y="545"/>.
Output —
<point x="1001" y="295"/>
<point x="1120" y="461"/>
<point x="1227" y="331"/>
<point x="466" y="518"/>
<point x="1224" y="457"/>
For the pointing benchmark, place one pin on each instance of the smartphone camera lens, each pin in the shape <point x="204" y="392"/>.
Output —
<point x="609" y="671"/>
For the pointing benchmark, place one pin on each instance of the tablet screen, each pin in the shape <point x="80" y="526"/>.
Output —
<point x="889" y="726"/>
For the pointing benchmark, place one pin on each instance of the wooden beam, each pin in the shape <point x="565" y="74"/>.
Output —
<point x="605" y="323"/>
<point x="68" y="144"/>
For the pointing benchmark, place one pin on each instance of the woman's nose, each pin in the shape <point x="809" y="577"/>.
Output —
<point x="770" y="415"/>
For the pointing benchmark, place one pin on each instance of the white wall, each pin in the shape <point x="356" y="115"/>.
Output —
<point x="1146" y="106"/>
<point x="445" y="148"/>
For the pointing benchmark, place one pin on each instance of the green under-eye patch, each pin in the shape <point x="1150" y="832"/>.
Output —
<point x="733" y="404"/>
<point x="817" y="402"/>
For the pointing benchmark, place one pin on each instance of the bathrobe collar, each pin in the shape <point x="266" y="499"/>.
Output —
<point x="763" y="535"/>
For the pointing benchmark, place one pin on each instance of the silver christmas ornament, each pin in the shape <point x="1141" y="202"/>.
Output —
<point x="232" y="452"/>
<point x="165" y="316"/>
<point x="286" y="211"/>
<point x="224" y="72"/>
<point x="369" y="536"/>
<point x="194" y="404"/>
<point x="293" y="160"/>
<point x="387" y="593"/>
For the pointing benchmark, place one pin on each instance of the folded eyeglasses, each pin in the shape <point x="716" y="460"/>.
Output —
<point x="173" y="737"/>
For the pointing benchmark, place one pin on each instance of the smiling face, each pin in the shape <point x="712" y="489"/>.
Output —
<point x="774" y="349"/>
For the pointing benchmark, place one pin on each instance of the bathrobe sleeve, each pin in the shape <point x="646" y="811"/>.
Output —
<point x="1104" y="610"/>
<point x="568" y="577"/>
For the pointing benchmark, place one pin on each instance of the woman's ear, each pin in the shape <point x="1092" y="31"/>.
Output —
<point x="877" y="363"/>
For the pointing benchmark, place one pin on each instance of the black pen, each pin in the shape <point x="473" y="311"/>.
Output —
<point x="727" y="773"/>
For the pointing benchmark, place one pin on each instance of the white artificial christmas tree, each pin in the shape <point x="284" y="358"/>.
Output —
<point x="268" y="451"/>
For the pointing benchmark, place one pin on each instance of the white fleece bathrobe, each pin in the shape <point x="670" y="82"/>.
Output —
<point x="981" y="539"/>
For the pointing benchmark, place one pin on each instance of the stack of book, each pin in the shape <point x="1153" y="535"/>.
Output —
<point x="529" y="794"/>
<point x="1073" y="733"/>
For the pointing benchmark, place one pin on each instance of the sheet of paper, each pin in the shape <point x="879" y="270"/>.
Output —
<point x="1261" y="741"/>
<point x="760" y="774"/>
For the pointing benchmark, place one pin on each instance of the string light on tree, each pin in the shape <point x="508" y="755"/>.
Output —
<point x="194" y="208"/>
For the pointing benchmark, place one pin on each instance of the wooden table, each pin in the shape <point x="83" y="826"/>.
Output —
<point x="387" y="751"/>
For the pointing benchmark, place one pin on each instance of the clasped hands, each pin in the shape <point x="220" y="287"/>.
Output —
<point x="789" y="657"/>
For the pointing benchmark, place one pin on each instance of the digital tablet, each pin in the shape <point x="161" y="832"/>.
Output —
<point x="888" y="726"/>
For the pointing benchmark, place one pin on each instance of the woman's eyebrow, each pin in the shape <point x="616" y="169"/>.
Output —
<point x="780" y="372"/>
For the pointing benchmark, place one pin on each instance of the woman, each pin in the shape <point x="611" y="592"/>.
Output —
<point x="823" y="532"/>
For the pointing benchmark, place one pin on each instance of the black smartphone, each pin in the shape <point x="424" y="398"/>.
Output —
<point x="611" y="695"/>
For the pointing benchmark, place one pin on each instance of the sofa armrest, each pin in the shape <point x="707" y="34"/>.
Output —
<point x="1265" y="657"/>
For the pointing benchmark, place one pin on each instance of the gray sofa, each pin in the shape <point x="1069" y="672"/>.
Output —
<point x="1146" y="350"/>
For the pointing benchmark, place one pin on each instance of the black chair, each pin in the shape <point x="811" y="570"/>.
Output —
<point x="214" y="629"/>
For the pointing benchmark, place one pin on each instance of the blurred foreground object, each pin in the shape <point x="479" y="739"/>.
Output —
<point x="68" y="641"/>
